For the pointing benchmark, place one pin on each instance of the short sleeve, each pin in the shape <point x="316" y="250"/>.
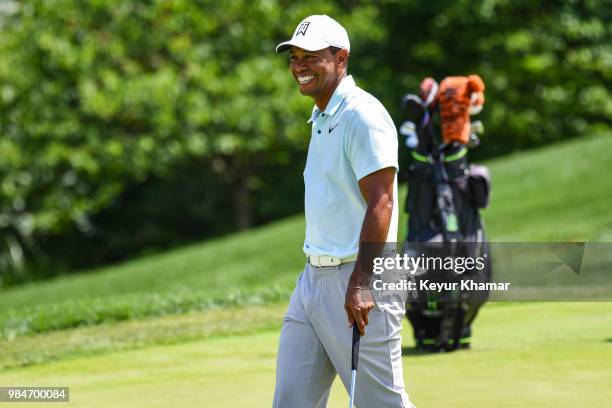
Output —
<point x="372" y="142"/>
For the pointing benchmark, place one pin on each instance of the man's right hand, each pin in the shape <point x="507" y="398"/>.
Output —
<point x="358" y="303"/>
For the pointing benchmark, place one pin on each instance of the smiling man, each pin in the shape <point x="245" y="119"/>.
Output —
<point x="350" y="198"/>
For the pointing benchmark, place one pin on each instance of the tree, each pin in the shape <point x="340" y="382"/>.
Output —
<point x="98" y="96"/>
<point x="547" y="65"/>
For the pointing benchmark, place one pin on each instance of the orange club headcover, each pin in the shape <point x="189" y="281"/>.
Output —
<point x="457" y="95"/>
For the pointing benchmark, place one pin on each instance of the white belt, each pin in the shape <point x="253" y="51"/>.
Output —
<point x="326" y="260"/>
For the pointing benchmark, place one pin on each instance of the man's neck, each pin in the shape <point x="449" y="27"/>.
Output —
<point x="324" y="100"/>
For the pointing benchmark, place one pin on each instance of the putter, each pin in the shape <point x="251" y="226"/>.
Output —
<point x="354" y="361"/>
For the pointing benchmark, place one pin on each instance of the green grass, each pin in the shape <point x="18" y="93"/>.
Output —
<point x="237" y="270"/>
<point x="244" y="261"/>
<point x="560" y="193"/>
<point x="524" y="355"/>
<point x="556" y="193"/>
<point x="138" y="333"/>
<point x="87" y="312"/>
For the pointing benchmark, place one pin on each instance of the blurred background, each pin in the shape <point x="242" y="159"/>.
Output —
<point x="129" y="127"/>
<point x="151" y="193"/>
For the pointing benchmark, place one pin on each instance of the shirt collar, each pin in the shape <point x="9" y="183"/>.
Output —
<point x="336" y="100"/>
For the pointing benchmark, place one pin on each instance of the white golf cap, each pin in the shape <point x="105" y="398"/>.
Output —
<point x="315" y="33"/>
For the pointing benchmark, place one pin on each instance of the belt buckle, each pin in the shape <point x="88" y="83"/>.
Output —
<point x="320" y="261"/>
<point x="333" y="261"/>
<point x="327" y="260"/>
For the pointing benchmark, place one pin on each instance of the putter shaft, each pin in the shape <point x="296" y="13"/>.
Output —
<point x="354" y="362"/>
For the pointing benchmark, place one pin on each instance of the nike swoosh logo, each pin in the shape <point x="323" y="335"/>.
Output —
<point x="331" y="128"/>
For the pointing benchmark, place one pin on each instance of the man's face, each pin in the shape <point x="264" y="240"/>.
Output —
<point x="317" y="72"/>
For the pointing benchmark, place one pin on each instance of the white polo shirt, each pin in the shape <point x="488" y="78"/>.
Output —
<point x="352" y="138"/>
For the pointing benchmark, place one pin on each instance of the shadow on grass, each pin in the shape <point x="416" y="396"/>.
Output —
<point x="608" y="340"/>
<point x="413" y="351"/>
<point x="417" y="352"/>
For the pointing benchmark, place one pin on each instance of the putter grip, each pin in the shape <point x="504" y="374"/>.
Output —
<point x="355" y="351"/>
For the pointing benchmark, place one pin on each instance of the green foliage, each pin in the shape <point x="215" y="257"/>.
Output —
<point x="547" y="65"/>
<point x="110" y="109"/>
<point x="99" y="96"/>
<point x="189" y="204"/>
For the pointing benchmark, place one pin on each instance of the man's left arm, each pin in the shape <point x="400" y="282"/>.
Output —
<point x="377" y="191"/>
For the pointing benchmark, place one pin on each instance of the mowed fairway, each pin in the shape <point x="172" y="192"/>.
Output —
<point x="525" y="355"/>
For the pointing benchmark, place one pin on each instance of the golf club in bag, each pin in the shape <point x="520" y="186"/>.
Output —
<point x="445" y="194"/>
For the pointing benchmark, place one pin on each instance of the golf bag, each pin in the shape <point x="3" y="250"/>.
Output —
<point x="445" y="193"/>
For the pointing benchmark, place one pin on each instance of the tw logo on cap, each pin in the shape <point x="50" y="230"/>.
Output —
<point x="302" y="29"/>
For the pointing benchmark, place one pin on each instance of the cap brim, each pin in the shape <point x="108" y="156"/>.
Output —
<point x="308" y="46"/>
<point x="282" y="47"/>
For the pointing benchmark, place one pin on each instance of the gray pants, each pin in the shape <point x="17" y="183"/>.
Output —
<point x="315" y="344"/>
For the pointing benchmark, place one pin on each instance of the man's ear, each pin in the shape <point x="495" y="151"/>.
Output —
<point x="342" y="57"/>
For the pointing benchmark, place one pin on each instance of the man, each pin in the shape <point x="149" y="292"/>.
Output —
<point x="350" y="190"/>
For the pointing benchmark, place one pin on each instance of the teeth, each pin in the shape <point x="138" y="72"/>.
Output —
<point x="305" y="78"/>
